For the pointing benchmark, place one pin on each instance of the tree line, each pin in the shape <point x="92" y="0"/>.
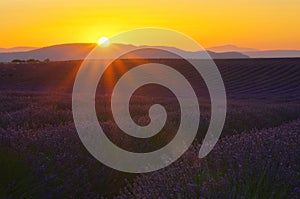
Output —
<point x="30" y="61"/>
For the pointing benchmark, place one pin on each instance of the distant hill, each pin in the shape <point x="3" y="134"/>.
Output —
<point x="255" y="53"/>
<point x="273" y="53"/>
<point x="244" y="78"/>
<point x="230" y="48"/>
<point x="55" y="53"/>
<point x="80" y="51"/>
<point x="16" y="49"/>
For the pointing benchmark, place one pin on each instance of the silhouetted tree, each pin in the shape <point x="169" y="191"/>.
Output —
<point x="32" y="60"/>
<point x="17" y="61"/>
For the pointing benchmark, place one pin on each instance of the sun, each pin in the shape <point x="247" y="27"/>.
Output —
<point x="103" y="41"/>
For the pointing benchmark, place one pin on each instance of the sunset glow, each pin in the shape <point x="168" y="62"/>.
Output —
<point x="103" y="41"/>
<point x="262" y="24"/>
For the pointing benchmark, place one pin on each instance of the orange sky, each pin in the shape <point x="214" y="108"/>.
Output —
<point x="263" y="24"/>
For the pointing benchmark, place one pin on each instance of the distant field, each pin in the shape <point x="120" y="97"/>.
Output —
<point x="243" y="78"/>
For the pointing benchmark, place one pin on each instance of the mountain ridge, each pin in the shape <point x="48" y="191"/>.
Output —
<point x="17" y="49"/>
<point x="230" y="48"/>
<point x="78" y="51"/>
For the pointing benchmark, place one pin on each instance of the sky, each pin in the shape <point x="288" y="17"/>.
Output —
<point x="261" y="24"/>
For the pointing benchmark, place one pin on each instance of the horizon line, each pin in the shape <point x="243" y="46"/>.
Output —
<point x="218" y="46"/>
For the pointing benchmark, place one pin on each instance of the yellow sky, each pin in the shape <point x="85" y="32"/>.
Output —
<point x="263" y="24"/>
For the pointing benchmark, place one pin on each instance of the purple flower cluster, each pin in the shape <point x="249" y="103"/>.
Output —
<point x="255" y="164"/>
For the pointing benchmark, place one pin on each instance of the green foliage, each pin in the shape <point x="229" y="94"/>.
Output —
<point x="26" y="61"/>
<point x="16" y="180"/>
<point x="17" y="61"/>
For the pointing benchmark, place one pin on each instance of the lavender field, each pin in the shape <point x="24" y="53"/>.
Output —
<point x="41" y="155"/>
